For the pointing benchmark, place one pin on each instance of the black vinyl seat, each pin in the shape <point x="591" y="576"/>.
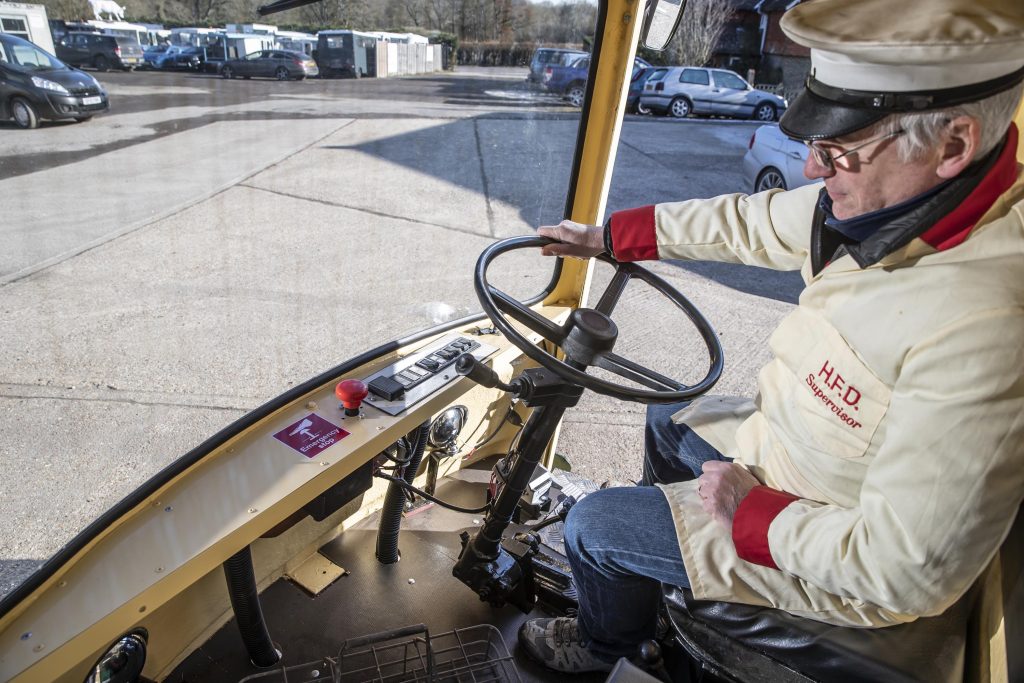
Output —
<point x="755" y="644"/>
<point x="747" y="643"/>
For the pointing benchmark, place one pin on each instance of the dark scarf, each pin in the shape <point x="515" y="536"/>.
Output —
<point x="859" y="228"/>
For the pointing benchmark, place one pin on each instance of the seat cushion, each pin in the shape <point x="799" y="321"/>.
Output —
<point x="750" y="643"/>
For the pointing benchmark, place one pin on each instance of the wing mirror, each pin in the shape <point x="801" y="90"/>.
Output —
<point x="660" y="23"/>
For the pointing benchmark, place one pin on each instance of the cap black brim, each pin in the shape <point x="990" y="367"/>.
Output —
<point x="810" y="117"/>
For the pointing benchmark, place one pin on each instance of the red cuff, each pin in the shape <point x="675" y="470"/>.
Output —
<point x="634" y="237"/>
<point x="751" y="522"/>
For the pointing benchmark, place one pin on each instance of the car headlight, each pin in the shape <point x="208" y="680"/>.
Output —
<point x="49" y="85"/>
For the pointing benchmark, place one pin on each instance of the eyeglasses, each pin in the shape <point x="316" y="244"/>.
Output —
<point x="825" y="158"/>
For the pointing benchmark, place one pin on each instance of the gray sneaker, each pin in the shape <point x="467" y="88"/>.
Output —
<point x="555" y="643"/>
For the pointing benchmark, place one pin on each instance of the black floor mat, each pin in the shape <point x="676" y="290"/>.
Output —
<point x="372" y="598"/>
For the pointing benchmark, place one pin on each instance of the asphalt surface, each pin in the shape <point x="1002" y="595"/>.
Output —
<point x="206" y="244"/>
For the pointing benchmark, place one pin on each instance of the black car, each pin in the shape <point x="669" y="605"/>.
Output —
<point x="36" y="85"/>
<point x="636" y="87"/>
<point x="100" y="51"/>
<point x="191" y="58"/>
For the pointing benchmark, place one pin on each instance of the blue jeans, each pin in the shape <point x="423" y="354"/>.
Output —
<point x="621" y="542"/>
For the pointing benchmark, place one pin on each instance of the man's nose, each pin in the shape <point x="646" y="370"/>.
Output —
<point x="813" y="170"/>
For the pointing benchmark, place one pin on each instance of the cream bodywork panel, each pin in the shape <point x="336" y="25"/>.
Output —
<point x="205" y="515"/>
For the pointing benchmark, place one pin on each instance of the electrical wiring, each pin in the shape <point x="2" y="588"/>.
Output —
<point x="420" y="492"/>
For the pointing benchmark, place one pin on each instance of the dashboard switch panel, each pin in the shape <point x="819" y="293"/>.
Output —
<point x="408" y="381"/>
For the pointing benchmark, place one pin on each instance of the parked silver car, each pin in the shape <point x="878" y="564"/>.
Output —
<point x="774" y="160"/>
<point x="684" y="90"/>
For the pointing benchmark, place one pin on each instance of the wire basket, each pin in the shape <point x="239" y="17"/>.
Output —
<point x="477" y="654"/>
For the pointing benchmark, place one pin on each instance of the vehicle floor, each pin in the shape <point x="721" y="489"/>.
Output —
<point x="372" y="598"/>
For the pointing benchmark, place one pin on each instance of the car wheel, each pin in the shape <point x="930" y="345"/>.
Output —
<point x="227" y="72"/>
<point x="575" y="94"/>
<point x="282" y="74"/>
<point x="680" y="108"/>
<point x="83" y="119"/>
<point x="101" y="63"/>
<point x="765" y="112"/>
<point x="642" y="109"/>
<point x="770" y="179"/>
<point x="24" y="113"/>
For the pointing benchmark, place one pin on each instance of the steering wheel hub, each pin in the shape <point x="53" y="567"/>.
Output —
<point x="590" y="333"/>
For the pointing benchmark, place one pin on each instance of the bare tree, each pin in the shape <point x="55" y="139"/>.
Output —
<point x="699" y="30"/>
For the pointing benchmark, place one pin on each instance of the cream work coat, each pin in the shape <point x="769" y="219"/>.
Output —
<point x="893" y="407"/>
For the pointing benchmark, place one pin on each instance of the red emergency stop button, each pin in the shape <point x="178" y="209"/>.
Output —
<point x="351" y="393"/>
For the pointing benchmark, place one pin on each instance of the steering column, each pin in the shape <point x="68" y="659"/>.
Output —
<point x="499" y="569"/>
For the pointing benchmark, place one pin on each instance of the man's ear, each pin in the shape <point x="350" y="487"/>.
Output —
<point x="959" y="147"/>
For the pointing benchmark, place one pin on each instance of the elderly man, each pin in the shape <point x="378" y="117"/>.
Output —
<point x="882" y="463"/>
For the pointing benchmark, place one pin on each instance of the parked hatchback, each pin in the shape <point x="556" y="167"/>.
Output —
<point x="684" y="90"/>
<point x="36" y="85"/>
<point x="774" y="160"/>
<point x="283" y="65"/>
<point x="100" y="51"/>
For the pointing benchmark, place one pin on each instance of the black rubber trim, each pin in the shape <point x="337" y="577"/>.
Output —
<point x="581" y="132"/>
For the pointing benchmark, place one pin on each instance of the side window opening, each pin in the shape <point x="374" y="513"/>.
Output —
<point x="725" y="79"/>
<point x="695" y="76"/>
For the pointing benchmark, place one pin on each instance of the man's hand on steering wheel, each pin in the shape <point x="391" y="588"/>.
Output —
<point x="578" y="240"/>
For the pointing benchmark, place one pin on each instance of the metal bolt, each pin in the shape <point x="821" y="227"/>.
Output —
<point x="380" y="428"/>
<point x="371" y="399"/>
<point x="159" y="569"/>
<point x="445" y="377"/>
<point x="253" y="511"/>
<point x="26" y="635"/>
<point x="38" y="648"/>
<point x="324" y="463"/>
<point x="311" y="405"/>
<point x="63" y="584"/>
<point x="476" y="521"/>
<point x="142" y="608"/>
<point x="168" y="508"/>
<point x="315" y="673"/>
<point x="412" y="581"/>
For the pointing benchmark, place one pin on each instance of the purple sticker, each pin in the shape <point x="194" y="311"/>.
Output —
<point x="311" y="435"/>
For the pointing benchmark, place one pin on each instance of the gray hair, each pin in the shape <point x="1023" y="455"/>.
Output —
<point x="994" y="113"/>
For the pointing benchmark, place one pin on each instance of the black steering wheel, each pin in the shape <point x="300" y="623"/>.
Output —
<point x="588" y="335"/>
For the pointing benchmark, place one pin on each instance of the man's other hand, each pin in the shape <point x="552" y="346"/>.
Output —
<point x="576" y="239"/>
<point x="721" y="488"/>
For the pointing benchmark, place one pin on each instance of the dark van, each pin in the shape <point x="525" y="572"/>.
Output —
<point x="36" y="85"/>
<point x="346" y="53"/>
<point x="100" y="51"/>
